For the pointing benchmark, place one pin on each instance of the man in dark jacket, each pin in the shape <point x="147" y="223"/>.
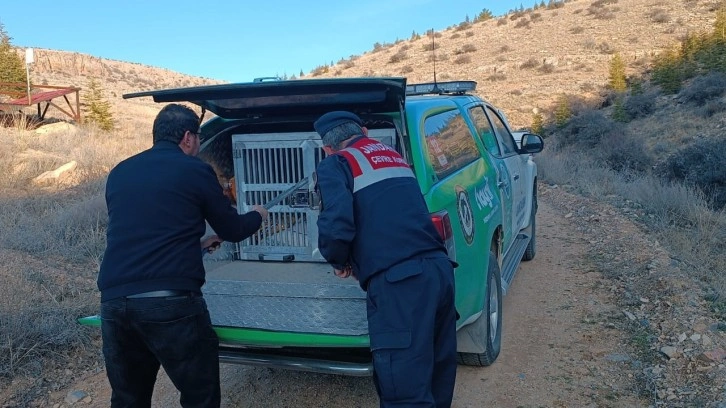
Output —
<point x="374" y="224"/>
<point x="152" y="309"/>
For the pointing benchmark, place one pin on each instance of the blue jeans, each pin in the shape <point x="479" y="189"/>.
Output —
<point x="176" y="332"/>
<point x="412" y="329"/>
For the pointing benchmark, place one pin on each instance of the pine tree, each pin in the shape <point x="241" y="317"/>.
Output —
<point x="12" y="66"/>
<point x="719" y="27"/>
<point x="562" y="112"/>
<point x="98" y="109"/>
<point x="619" y="114"/>
<point x="537" y="123"/>
<point x="616" y="80"/>
<point x="485" y="14"/>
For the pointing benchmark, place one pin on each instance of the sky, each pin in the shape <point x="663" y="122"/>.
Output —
<point x="232" y="41"/>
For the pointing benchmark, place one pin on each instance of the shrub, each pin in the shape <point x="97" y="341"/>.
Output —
<point x="659" y="16"/>
<point x="640" y="105"/>
<point x="522" y="23"/>
<point x="462" y="59"/>
<point x="711" y="108"/>
<point x="605" y="48"/>
<point x="397" y="57"/>
<point x="588" y="129"/>
<point x="406" y="69"/>
<point x="577" y="30"/>
<point x="702" y="163"/>
<point x="624" y="151"/>
<point x="530" y="63"/>
<point x="319" y="70"/>
<point x="547" y="68"/>
<point x="497" y="77"/>
<point x="589" y="44"/>
<point x="601" y="3"/>
<point x="468" y="48"/>
<point x="505" y="48"/>
<point x="502" y="21"/>
<point x="704" y="88"/>
<point x="464" y="25"/>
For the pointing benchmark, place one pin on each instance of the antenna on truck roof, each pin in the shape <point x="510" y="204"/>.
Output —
<point x="433" y="49"/>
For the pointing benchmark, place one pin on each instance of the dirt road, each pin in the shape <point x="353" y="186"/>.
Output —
<point x="558" y="348"/>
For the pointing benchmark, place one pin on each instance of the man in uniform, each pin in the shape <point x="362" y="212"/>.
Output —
<point x="374" y="224"/>
<point x="152" y="309"/>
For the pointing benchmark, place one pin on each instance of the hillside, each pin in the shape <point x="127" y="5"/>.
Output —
<point x="525" y="60"/>
<point x="66" y="68"/>
<point x="521" y="61"/>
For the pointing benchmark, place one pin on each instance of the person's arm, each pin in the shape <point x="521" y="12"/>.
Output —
<point x="336" y="223"/>
<point x="222" y="216"/>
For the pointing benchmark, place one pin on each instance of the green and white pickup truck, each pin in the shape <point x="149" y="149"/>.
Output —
<point x="272" y="298"/>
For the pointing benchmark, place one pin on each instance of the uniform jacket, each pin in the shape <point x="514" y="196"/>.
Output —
<point x="157" y="203"/>
<point x="373" y="215"/>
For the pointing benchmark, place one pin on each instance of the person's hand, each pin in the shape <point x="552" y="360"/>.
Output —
<point x="262" y="210"/>
<point x="346" y="272"/>
<point x="211" y="243"/>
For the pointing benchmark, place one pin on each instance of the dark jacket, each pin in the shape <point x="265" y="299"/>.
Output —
<point x="373" y="216"/>
<point x="157" y="203"/>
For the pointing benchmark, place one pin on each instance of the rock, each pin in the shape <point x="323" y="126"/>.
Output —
<point x="629" y="315"/>
<point x="716" y="356"/>
<point x="682" y="337"/>
<point x="75" y="396"/>
<point x="569" y="215"/>
<point x="617" y="357"/>
<point x="706" y="341"/>
<point x="670" y="351"/>
<point x="54" y="174"/>
<point x="695" y="338"/>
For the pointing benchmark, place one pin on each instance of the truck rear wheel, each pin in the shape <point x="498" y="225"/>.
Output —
<point x="487" y="329"/>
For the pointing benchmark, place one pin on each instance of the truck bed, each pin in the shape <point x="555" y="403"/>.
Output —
<point x="301" y="297"/>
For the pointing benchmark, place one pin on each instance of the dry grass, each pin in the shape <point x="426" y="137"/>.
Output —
<point x="677" y="214"/>
<point x="52" y="237"/>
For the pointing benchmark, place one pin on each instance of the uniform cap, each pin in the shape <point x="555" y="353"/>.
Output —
<point x="336" y="118"/>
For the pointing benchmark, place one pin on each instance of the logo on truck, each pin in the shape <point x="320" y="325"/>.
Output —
<point x="466" y="215"/>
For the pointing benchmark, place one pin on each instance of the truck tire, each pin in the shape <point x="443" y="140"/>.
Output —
<point x="531" y="230"/>
<point x="488" y="327"/>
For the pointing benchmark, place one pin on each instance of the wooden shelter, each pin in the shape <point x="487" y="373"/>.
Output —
<point x="41" y="95"/>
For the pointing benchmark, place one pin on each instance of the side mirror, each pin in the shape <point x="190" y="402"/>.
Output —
<point x="531" y="143"/>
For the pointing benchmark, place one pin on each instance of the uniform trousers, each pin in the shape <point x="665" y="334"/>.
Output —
<point x="412" y="329"/>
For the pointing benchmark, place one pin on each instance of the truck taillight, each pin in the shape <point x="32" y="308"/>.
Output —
<point x="442" y="222"/>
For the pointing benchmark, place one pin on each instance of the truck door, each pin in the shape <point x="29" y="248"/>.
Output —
<point x="502" y="180"/>
<point x="511" y="170"/>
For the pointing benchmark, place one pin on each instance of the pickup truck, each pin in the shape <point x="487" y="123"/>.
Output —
<point x="272" y="298"/>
